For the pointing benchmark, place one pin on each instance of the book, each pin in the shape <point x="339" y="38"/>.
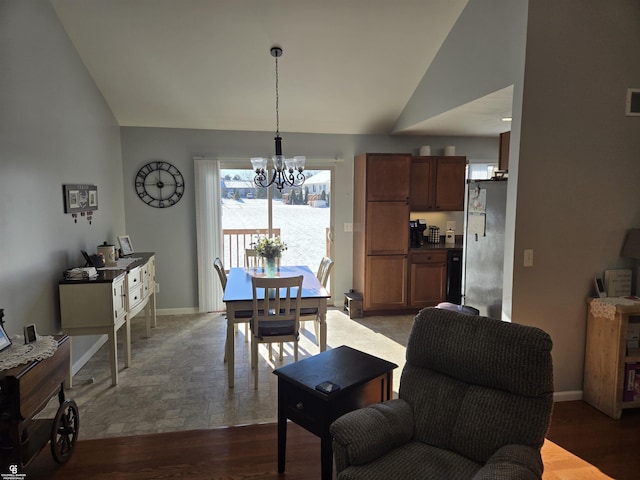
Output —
<point x="631" y="382"/>
<point x="617" y="282"/>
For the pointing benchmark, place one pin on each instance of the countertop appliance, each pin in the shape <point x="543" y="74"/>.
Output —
<point x="484" y="245"/>
<point x="416" y="232"/>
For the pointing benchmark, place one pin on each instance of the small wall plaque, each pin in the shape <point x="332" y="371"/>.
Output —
<point x="80" y="198"/>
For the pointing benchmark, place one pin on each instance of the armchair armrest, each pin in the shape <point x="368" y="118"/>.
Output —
<point x="519" y="462"/>
<point x="363" y="435"/>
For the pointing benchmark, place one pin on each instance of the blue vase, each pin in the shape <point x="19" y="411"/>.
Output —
<point x="270" y="267"/>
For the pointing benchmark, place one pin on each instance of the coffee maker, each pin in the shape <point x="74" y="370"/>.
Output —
<point x="416" y="232"/>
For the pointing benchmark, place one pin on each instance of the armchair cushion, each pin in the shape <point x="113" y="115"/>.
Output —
<point x="363" y="435"/>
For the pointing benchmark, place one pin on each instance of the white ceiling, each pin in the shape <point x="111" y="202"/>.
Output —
<point x="349" y="66"/>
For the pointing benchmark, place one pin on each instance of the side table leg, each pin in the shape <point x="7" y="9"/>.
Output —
<point x="326" y="457"/>
<point x="113" y="354"/>
<point x="282" y="431"/>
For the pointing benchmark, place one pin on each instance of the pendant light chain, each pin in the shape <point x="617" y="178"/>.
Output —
<point x="277" y="102"/>
<point x="287" y="172"/>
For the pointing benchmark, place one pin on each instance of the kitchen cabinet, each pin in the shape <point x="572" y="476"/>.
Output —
<point x="381" y="230"/>
<point x="437" y="183"/>
<point x="503" y="156"/>
<point x="386" y="282"/>
<point x="387" y="230"/>
<point x="428" y="278"/>
<point x="387" y="177"/>
<point x="387" y="187"/>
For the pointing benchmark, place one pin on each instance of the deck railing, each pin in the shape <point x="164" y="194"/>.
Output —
<point x="236" y="240"/>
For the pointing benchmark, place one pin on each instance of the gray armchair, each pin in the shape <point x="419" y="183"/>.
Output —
<point x="475" y="401"/>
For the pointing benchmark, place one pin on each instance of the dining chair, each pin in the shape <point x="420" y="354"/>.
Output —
<point x="222" y="275"/>
<point x="278" y="320"/>
<point x="311" y="313"/>
<point x="251" y="258"/>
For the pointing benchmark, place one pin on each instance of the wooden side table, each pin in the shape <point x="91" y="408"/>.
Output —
<point x="25" y="391"/>
<point x="363" y="380"/>
<point x="606" y="354"/>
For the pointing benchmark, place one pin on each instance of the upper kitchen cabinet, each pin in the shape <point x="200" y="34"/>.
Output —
<point x="387" y="177"/>
<point x="437" y="183"/>
<point x="503" y="158"/>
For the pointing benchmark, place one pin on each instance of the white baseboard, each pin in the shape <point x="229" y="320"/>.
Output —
<point x="567" y="396"/>
<point x="81" y="362"/>
<point x="176" y="311"/>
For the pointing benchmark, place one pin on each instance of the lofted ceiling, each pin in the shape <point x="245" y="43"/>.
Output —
<point x="348" y="66"/>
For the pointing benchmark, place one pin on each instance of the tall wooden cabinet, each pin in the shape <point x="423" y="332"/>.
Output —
<point x="381" y="232"/>
<point x="387" y="187"/>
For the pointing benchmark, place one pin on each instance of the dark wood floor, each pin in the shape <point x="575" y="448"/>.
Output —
<point x="250" y="452"/>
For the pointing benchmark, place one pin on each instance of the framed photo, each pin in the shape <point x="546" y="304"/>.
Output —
<point x="5" y="341"/>
<point x="80" y="198"/>
<point x="125" y="245"/>
<point x="30" y="334"/>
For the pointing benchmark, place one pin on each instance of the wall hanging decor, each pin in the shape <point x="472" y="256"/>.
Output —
<point x="159" y="184"/>
<point x="80" y="199"/>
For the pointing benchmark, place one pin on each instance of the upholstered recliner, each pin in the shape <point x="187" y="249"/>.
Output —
<point x="475" y="401"/>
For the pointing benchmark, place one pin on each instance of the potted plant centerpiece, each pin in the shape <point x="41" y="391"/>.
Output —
<point x="270" y="249"/>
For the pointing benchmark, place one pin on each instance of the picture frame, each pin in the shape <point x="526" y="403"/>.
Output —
<point x="79" y="198"/>
<point x="125" y="245"/>
<point x="5" y="341"/>
<point x="30" y="334"/>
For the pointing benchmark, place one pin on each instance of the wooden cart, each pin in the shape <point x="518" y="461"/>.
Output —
<point x="25" y="391"/>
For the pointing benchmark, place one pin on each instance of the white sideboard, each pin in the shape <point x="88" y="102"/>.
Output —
<point x="105" y="304"/>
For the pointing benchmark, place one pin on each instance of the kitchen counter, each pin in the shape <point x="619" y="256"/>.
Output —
<point x="439" y="246"/>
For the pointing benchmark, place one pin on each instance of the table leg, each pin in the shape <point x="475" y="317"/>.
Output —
<point x="282" y="431"/>
<point x="152" y="301"/>
<point x="127" y="343"/>
<point x="231" y="313"/>
<point x="322" y="313"/>
<point x="326" y="457"/>
<point x="147" y="318"/>
<point x="113" y="355"/>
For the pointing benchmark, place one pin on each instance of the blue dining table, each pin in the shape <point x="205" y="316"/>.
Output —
<point x="238" y="296"/>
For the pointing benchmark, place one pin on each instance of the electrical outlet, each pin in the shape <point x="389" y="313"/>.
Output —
<point x="157" y="288"/>
<point x="348" y="227"/>
<point x="528" y="257"/>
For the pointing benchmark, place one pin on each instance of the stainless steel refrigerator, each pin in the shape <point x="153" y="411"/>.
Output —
<point x="484" y="245"/>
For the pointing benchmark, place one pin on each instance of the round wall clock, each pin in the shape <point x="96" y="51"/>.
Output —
<point x="159" y="184"/>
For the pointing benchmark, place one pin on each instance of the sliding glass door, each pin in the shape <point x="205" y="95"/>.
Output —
<point x="300" y="216"/>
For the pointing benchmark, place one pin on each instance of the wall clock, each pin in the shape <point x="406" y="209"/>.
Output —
<point x="159" y="184"/>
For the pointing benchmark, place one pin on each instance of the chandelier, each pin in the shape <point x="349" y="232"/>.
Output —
<point x="287" y="172"/>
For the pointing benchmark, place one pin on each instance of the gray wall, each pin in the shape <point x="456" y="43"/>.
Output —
<point x="578" y="167"/>
<point x="55" y="128"/>
<point x="171" y="232"/>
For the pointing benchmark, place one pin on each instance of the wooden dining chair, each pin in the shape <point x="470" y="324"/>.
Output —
<point x="251" y="258"/>
<point x="278" y="320"/>
<point x="311" y="313"/>
<point x="222" y="275"/>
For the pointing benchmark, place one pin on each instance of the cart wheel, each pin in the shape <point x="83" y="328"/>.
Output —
<point x="64" y="431"/>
